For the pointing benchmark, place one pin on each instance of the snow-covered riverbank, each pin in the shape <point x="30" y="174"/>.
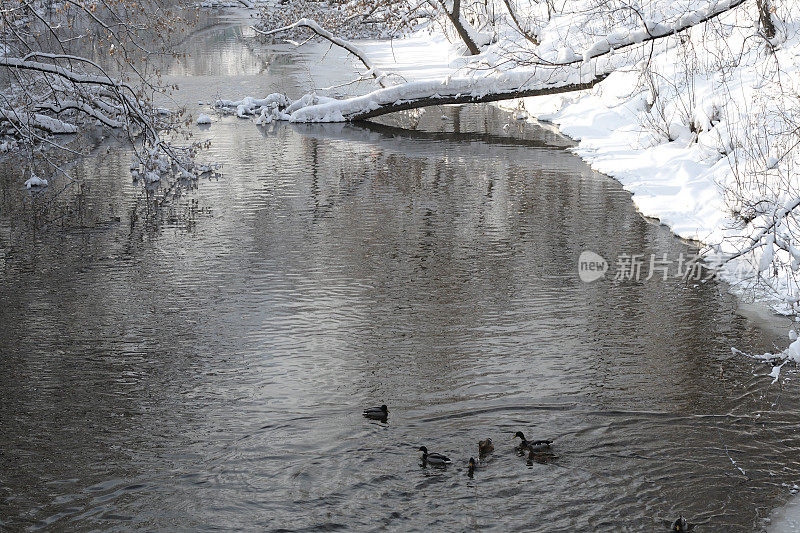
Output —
<point x="678" y="173"/>
<point x="683" y="166"/>
<point x="700" y="126"/>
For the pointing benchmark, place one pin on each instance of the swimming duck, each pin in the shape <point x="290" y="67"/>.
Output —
<point x="532" y="445"/>
<point x="542" y="457"/>
<point x="682" y="525"/>
<point x="471" y="469"/>
<point x="485" y="447"/>
<point x="377" y="413"/>
<point x="433" y="458"/>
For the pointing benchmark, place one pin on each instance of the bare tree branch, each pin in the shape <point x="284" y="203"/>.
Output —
<point x="325" y="34"/>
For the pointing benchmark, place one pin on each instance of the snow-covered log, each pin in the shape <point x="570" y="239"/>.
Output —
<point x="541" y="76"/>
<point x="467" y="90"/>
<point x="413" y="95"/>
<point x="650" y="31"/>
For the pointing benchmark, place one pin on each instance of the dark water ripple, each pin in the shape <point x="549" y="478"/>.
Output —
<point x="203" y="366"/>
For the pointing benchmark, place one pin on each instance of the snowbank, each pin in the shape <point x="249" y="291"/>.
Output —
<point x="786" y="519"/>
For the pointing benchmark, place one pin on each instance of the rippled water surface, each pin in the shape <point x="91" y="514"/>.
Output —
<point x="202" y="365"/>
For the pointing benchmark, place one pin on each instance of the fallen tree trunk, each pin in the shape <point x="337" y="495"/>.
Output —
<point x="416" y="94"/>
<point x="469" y="99"/>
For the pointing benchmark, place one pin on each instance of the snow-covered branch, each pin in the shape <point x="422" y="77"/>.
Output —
<point x="36" y="120"/>
<point x="74" y="64"/>
<point x="325" y="34"/>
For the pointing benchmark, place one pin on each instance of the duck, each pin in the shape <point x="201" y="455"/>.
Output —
<point x="434" y="458"/>
<point x="485" y="447"/>
<point x="542" y="457"/>
<point x="682" y="525"/>
<point x="532" y="445"/>
<point x="377" y="413"/>
<point x="471" y="467"/>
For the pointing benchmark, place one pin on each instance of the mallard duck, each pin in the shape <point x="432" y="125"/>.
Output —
<point x="485" y="447"/>
<point x="471" y="468"/>
<point x="433" y="458"/>
<point x="377" y="413"/>
<point x="532" y="445"/>
<point x="682" y="525"/>
<point x="542" y="457"/>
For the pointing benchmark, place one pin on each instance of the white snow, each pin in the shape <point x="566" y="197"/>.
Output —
<point x="35" y="181"/>
<point x="786" y="519"/>
<point x="204" y="119"/>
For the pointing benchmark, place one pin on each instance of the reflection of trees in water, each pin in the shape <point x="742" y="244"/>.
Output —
<point x="501" y="221"/>
<point x="225" y="51"/>
<point x="434" y="220"/>
<point x="98" y="196"/>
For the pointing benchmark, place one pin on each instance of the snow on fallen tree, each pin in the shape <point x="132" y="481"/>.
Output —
<point x="567" y="72"/>
<point x="413" y="95"/>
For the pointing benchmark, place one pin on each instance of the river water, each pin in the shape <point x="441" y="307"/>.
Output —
<point x="202" y="364"/>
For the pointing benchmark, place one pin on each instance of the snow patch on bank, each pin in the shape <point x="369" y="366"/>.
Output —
<point x="35" y="182"/>
<point x="786" y="519"/>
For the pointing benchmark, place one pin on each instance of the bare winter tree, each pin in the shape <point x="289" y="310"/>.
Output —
<point x="75" y="64"/>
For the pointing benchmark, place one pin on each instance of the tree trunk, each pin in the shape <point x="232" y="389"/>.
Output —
<point x="522" y="30"/>
<point x="765" y="18"/>
<point x="460" y="98"/>
<point x="455" y="19"/>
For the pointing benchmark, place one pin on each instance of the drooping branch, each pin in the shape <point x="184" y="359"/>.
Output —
<point x="120" y="91"/>
<point x="325" y="34"/>
<point x="531" y="38"/>
<point x="36" y="120"/>
<point x="83" y="107"/>
<point x="765" y="18"/>
<point x="68" y="74"/>
<point x="48" y="89"/>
